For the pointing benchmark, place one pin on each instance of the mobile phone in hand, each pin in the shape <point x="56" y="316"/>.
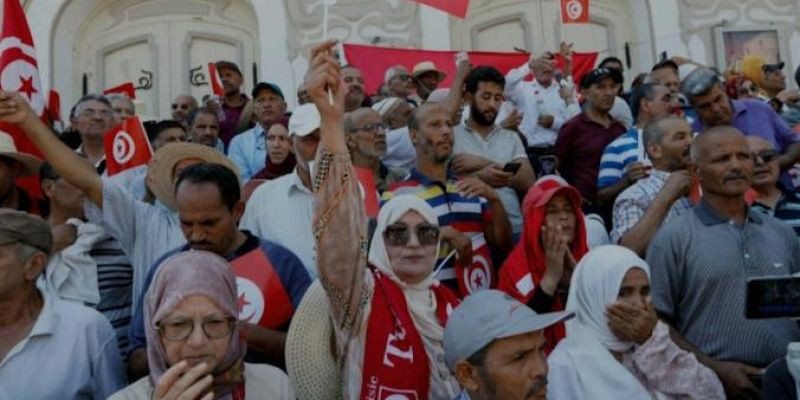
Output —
<point x="512" y="167"/>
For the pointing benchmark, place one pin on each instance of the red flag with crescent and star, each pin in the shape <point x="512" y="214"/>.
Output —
<point x="479" y="273"/>
<point x="263" y="299"/>
<point x="126" y="146"/>
<point x="574" y="11"/>
<point x="19" y="72"/>
<point x="126" y="88"/>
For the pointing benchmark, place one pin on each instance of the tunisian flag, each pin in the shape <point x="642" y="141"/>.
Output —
<point x="216" y="83"/>
<point x="373" y="61"/>
<point x="19" y="72"/>
<point x="126" y="88"/>
<point x="454" y="7"/>
<point x="479" y="273"/>
<point x="126" y="146"/>
<point x="574" y="11"/>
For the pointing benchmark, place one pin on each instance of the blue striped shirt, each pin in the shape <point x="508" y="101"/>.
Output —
<point x="620" y="153"/>
<point x="787" y="210"/>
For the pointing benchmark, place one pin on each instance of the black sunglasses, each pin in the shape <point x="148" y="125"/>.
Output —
<point x="400" y="235"/>
<point x="765" y="156"/>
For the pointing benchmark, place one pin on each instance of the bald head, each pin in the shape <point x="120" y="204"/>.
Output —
<point x="703" y="143"/>
<point x="421" y="112"/>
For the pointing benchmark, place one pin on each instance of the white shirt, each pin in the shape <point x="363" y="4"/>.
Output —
<point x="70" y="353"/>
<point x="280" y="210"/>
<point x="533" y="100"/>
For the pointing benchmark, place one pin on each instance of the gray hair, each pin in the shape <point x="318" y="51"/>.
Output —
<point x="700" y="82"/>
<point x="654" y="131"/>
<point x="25" y="252"/>
<point x="89" y="97"/>
<point x="118" y="96"/>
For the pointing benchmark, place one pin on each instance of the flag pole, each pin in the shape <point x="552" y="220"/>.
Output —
<point x="561" y="37"/>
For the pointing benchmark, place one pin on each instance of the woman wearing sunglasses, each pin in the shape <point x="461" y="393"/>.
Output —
<point x="388" y="310"/>
<point x="194" y="347"/>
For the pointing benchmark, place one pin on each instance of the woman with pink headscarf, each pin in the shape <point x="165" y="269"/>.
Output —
<point x="194" y="346"/>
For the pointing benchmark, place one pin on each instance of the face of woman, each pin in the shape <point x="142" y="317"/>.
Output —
<point x="411" y="243"/>
<point x="210" y="332"/>
<point x="559" y="212"/>
<point x="635" y="288"/>
<point x="278" y="143"/>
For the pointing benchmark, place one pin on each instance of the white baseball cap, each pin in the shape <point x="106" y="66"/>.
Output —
<point x="304" y="120"/>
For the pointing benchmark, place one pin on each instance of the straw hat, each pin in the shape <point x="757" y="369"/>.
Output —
<point x="30" y="164"/>
<point x="160" y="173"/>
<point x="425" y="67"/>
<point x="310" y="343"/>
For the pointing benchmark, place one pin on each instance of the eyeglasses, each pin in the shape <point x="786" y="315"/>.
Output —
<point x="373" y="128"/>
<point x="765" y="156"/>
<point x="214" y="327"/>
<point x="400" y="235"/>
<point x="91" y="113"/>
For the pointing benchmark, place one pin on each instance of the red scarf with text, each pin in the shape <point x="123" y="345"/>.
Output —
<point x="395" y="360"/>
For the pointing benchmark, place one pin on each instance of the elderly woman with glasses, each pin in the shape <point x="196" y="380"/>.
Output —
<point x="194" y="347"/>
<point x="388" y="310"/>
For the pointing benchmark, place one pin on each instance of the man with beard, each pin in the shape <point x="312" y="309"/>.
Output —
<point x="773" y="199"/>
<point x="281" y="208"/>
<point x="182" y="106"/>
<point x="355" y="96"/>
<point x="700" y="262"/>
<point x="651" y="202"/>
<point x="468" y="209"/>
<point x="236" y="107"/>
<point x="707" y="95"/>
<point x="495" y="347"/>
<point x="581" y="141"/>
<point x="493" y="154"/>
<point x="249" y="148"/>
<point x="366" y="140"/>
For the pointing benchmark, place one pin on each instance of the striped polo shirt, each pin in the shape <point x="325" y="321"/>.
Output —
<point x="466" y="215"/>
<point x="114" y="281"/>
<point x="787" y="210"/>
<point x="620" y="153"/>
<point x="699" y="266"/>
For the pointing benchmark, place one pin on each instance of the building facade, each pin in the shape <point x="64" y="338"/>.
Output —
<point x="163" y="46"/>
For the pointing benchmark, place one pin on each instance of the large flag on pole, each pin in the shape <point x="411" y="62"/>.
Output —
<point x="19" y="72"/>
<point x="574" y="11"/>
<point x="457" y="8"/>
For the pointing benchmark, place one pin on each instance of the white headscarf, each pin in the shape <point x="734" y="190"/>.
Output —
<point x="421" y="301"/>
<point x="589" y="342"/>
<point x="384" y="106"/>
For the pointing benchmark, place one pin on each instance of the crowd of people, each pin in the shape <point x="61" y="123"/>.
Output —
<point x="512" y="237"/>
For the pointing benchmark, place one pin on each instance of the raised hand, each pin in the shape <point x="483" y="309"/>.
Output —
<point x="324" y="75"/>
<point x="15" y="110"/>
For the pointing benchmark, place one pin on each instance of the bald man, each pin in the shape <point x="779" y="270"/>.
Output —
<point x="773" y="198"/>
<point x="366" y="140"/>
<point x="700" y="263"/>
<point x="182" y="106"/>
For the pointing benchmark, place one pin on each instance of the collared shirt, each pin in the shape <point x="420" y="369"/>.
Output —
<point x="280" y="211"/>
<point x="248" y="150"/>
<point x="463" y="396"/>
<point x="755" y="118"/>
<point x="579" y="148"/>
<point x="699" y="266"/>
<point x="500" y="146"/>
<point x="534" y="100"/>
<point x="144" y="231"/>
<point x="293" y="281"/>
<point x="70" y="353"/>
<point x="634" y="201"/>
<point x="466" y="215"/>
<point x="787" y="209"/>
<point x="622" y="152"/>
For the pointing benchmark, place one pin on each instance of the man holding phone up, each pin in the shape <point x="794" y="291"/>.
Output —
<point x="493" y="154"/>
<point x="546" y="103"/>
